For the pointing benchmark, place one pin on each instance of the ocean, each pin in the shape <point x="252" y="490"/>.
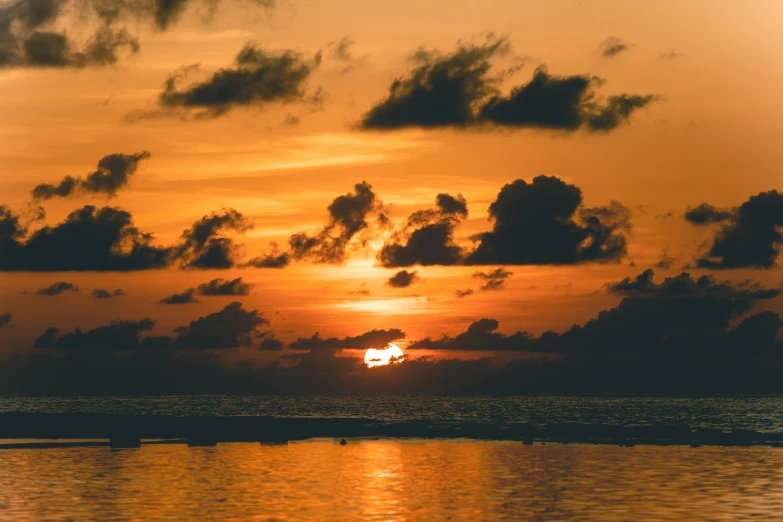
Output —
<point x="451" y="458"/>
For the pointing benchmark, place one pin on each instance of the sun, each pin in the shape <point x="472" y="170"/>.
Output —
<point x="373" y="357"/>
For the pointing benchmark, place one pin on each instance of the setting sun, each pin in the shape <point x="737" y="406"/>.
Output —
<point x="374" y="357"/>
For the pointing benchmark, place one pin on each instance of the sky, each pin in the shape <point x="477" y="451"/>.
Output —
<point x="247" y="194"/>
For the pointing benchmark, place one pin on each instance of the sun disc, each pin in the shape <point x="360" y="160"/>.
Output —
<point x="374" y="357"/>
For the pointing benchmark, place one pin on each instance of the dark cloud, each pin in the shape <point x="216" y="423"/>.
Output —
<point x="28" y="38"/>
<point x="5" y="320"/>
<point x="258" y="78"/>
<point x="458" y="90"/>
<point x="371" y="339"/>
<point x="89" y="239"/>
<point x="680" y="315"/>
<point x="442" y="90"/>
<point x="565" y="103"/>
<point x="112" y="174"/>
<point x="269" y="343"/>
<point x="225" y="287"/>
<point x="494" y="280"/>
<point x="706" y="214"/>
<point x="613" y="46"/>
<point x="750" y="236"/>
<point x="207" y="245"/>
<point x="493" y="285"/>
<point x="403" y="279"/>
<point x="273" y="259"/>
<point x="666" y="261"/>
<point x="348" y="222"/>
<point x="102" y="293"/>
<point x="544" y="222"/>
<point x="463" y="293"/>
<point x="57" y="289"/>
<point x="186" y="297"/>
<point x="231" y="327"/>
<point x="480" y="335"/>
<point x="117" y="336"/>
<point x="427" y="238"/>
<point x="676" y="336"/>
<point x="30" y="34"/>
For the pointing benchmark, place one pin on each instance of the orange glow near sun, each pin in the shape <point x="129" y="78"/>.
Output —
<point x="373" y="357"/>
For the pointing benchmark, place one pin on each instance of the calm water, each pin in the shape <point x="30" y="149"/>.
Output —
<point x="757" y="413"/>
<point x="393" y="480"/>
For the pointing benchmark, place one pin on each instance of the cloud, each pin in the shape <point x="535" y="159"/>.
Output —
<point x="494" y="280"/>
<point x="225" y="287"/>
<point x="31" y="33"/>
<point x="231" y="327"/>
<point x="371" y="339"/>
<point x="427" y="238"/>
<point x="28" y="38"/>
<point x="403" y="279"/>
<point x="458" y="90"/>
<point x="679" y="315"/>
<point x="57" y="289"/>
<point x="5" y="320"/>
<point x="750" y="235"/>
<point x="481" y="335"/>
<point x="676" y="336"/>
<point x="463" y="293"/>
<point x="273" y="259"/>
<point x="258" y="78"/>
<point x="269" y="343"/>
<point x="117" y="336"/>
<point x="101" y="293"/>
<point x="544" y="223"/>
<point x="342" y="51"/>
<point x="613" y="46"/>
<point x="666" y="261"/>
<point x="348" y="222"/>
<point x="186" y="297"/>
<point x="206" y="244"/>
<point x="89" y="239"/>
<point x="671" y="54"/>
<point x="565" y="103"/>
<point x="112" y="174"/>
<point x="442" y="90"/>
<point x="706" y="214"/>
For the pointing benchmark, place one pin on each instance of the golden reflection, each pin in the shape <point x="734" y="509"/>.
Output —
<point x="392" y="480"/>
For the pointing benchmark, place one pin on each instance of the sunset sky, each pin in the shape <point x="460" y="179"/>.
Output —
<point x="253" y="117"/>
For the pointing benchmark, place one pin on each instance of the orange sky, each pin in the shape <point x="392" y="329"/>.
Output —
<point x="713" y="136"/>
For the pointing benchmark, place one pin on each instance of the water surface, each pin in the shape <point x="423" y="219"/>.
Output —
<point x="393" y="480"/>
